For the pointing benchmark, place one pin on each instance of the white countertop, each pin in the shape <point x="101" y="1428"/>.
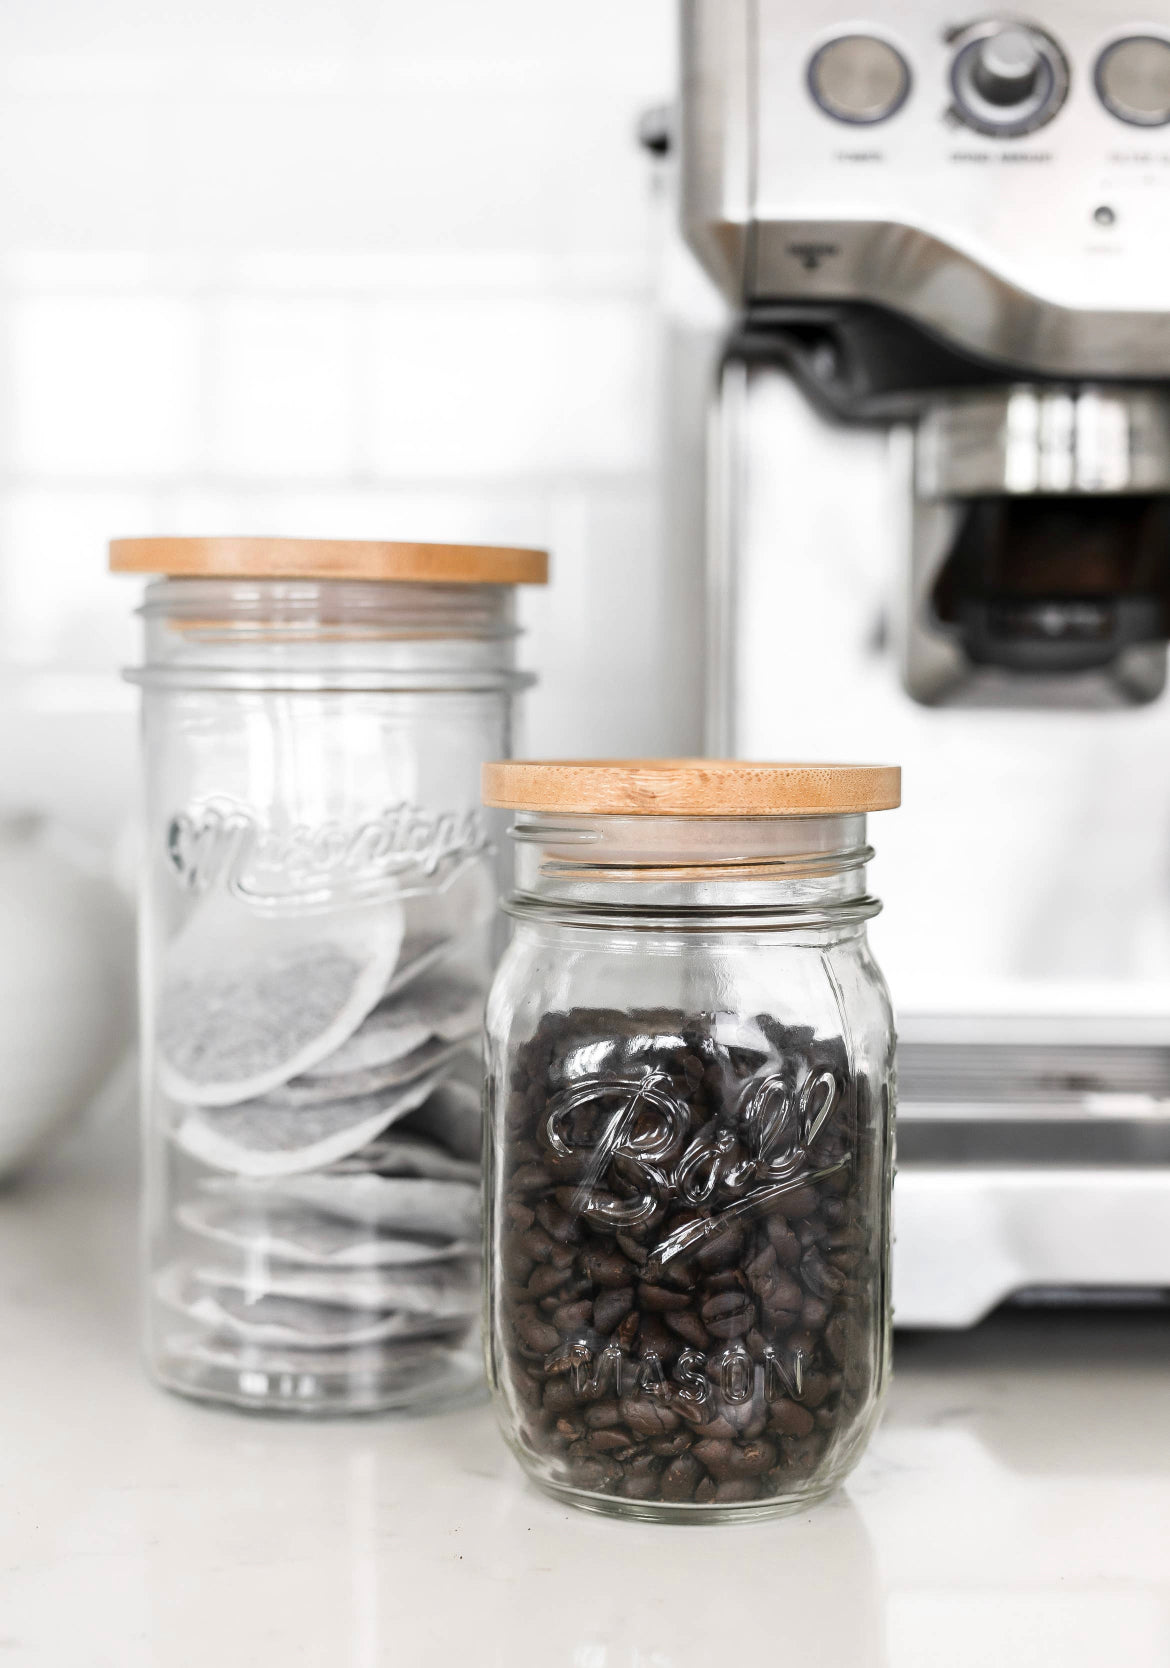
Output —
<point x="1013" y="1509"/>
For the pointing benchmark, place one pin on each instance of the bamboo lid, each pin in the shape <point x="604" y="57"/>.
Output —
<point x="689" y="787"/>
<point x="257" y="558"/>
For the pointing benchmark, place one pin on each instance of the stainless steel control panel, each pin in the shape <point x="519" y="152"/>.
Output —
<point x="1004" y="178"/>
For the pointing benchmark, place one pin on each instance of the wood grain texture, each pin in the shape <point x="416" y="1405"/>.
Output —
<point x="258" y="558"/>
<point x="689" y="787"/>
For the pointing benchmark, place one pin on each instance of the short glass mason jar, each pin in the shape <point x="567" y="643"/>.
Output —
<point x="688" y="1148"/>
<point x="318" y="926"/>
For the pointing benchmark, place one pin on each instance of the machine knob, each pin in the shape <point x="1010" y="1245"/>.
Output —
<point x="1133" y="80"/>
<point x="1007" y="67"/>
<point x="859" y="79"/>
<point x="1008" y="79"/>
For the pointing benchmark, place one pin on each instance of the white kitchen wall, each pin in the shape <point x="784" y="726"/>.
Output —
<point x="384" y="268"/>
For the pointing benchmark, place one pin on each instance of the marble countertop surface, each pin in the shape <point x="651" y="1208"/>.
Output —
<point x="1014" y="1508"/>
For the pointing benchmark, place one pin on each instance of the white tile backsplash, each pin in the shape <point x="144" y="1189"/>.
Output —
<point x="103" y="386"/>
<point x="282" y="382"/>
<point x="374" y="269"/>
<point x="511" y="386"/>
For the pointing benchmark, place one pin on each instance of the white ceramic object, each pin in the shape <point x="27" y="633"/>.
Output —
<point x="66" y="983"/>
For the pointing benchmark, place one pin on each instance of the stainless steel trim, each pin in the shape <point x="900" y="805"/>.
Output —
<point x="1029" y="439"/>
<point x="967" y="1239"/>
<point x="946" y="290"/>
<point x="717" y="136"/>
<point x="727" y="462"/>
<point x="1043" y="251"/>
<point x="1093" y="1076"/>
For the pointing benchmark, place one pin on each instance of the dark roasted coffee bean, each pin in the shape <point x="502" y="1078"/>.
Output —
<point x="559" y="1396"/>
<point x="638" y="1488"/>
<point x="705" y="1490"/>
<point x="515" y="1261"/>
<point x="668" y="1446"/>
<point x="572" y="1317"/>
<point x="784" y="1242"/>
<point x="814" y="1313"/>
<point x="606" y="1268"/>
<point x="799" y="1201"/>
<point x="680" y="1477"/>
<point x="534" y="1332"/>
<point x="661" y="1297"/>
<point x="605" y="1442"/>
<point x="530" y="1178"/>
<point x="641" y="1463"/>
<point x="595" y="1472"/>
<point x="536" y="1244"/>
<point x="647" y="1417"/>
<point x="558" y="1223"/>
<point x="630" y="1247"/>
<point x="627" y="1332"/>
<point x="837" y="1339"/>
<point x="715" y="1456"/>
<point x="545" y="1279"/>
<point x="600" y="1416"/>
<point x="721" y="1250"/>
<point x="728" y="1314"/>
<point x="689" y="1327"/>
<point x="610" y="1308"/>
<point x="790" y="1418"/>
<point x="655" y="1337"/>
<point x="736" y="1491"/>
<point x="752" y="1459"/>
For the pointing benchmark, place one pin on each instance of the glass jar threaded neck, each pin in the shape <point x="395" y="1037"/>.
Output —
<point x="696" y="873"/>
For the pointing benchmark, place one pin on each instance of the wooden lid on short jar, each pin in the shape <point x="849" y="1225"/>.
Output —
<point x="370" y="559"/>
<point x="689" y="787"/>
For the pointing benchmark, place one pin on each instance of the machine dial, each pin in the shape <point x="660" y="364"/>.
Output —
<point x="859" y="79"/>
<point x="1008" y="79"/>
<point x="1133" y="80"/>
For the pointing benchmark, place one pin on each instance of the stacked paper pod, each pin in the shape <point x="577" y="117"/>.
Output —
<point x="324" y="1074"/>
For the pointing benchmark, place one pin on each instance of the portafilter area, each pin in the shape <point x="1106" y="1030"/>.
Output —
<point x="1041" y="560"/>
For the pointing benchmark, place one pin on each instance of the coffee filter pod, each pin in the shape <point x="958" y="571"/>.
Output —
<point x="291" y="1321"/>
<point x="263" y="1138"/>
<point x="432" y="1007"/>
<point x="392" y="1154"/>
<point x="411" y="1363"/>
<point x="389" y="1204"/>
<point x="447" y="1291"/>
<point x="395" y="1075"/>
<point x="452" y="1115"/>
<point x="248" y="1001"/>
<point x="294" y="1233"/>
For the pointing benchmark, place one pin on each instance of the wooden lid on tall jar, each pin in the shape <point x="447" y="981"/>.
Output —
<point x="368" y="559"/>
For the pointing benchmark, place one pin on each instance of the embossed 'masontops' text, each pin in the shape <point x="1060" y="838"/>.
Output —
<point x="402" y="849"/>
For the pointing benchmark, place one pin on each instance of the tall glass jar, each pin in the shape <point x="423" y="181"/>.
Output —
<point x="689" y="1142"/>
<point x="318" y="929"/>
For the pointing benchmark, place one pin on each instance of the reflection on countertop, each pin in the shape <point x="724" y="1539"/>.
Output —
<point x="1013" y="1510"/>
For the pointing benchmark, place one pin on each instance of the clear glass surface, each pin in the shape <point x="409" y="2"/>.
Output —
<point x="689" y="1148"/>
<point x="318" y="928"/>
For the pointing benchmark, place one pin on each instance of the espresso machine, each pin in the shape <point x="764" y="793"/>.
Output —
<point x="939" y="534"/>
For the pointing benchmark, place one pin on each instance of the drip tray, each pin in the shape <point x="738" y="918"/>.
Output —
<point x="1033" y="1083"/>
<point x="1019" y="1140"/>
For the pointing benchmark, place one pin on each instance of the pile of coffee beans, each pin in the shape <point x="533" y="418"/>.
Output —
<point x="688" y="1218"/>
